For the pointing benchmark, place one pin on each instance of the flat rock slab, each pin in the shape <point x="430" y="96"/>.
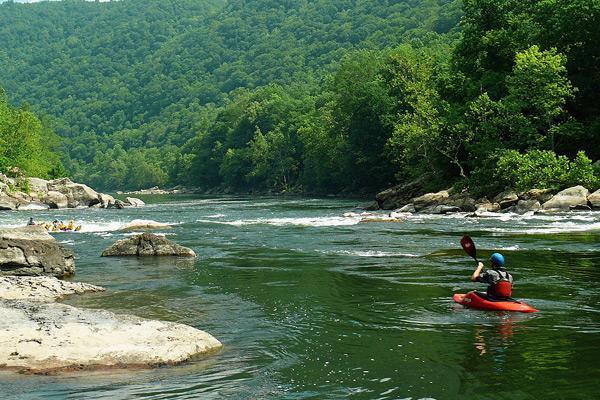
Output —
<point x="50" y="337"/>
<point x="41" y="288"/>
<point x="147" y="244"/>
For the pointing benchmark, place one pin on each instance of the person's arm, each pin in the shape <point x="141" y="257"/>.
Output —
<point x="477" y="272"/>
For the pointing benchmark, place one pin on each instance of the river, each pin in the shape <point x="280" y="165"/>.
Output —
<point x="313" y="305"/>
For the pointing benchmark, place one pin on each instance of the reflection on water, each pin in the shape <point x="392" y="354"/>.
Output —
<point x="311" y="304"/>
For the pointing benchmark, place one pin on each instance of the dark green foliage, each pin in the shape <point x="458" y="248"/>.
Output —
<point x="25" y="143"/>
<point x="325" y="95"/>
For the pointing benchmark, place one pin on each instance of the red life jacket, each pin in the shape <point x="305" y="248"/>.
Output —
<point x="503" y="288"/>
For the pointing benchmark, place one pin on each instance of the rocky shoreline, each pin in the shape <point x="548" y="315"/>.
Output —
<point x="40" y="194"/>
<point x="402" y="199"/>
<point x="38" y="335"/>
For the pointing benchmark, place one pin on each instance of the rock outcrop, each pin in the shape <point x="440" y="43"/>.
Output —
<point x="49" y="337"/>
<point x="41" y="288"/>
<point x="567" y="199"/>
<point x="400" y="195"/>
<point x="143" y="225"/>
<point x="32" y="251"/>
<point x="43" y="194"/>
<point x="147" y="244"/>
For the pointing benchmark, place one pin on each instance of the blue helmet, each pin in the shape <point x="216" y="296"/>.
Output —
<point x="497" y="259"/>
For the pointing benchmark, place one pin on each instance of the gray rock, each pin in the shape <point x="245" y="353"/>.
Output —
<point x="506" y="199"/>
<point x="106" y="200"/>
<point x="134" y="202"/>
<point x="38" y="185"/>
<point x="400" y="195"/>
<point x="484" y="205"/>
<point x="541" y="195"/>
<point x="525" y="206"/>
<point x="568" y="198"/>
<point x="143" y="225"/>
<point x="374" y="206"/>
<point x="462" y="200"/>
<point x="440" y="209"/>
<point x="7" y="202"/>
<point x="56" y="199"/>
<point x="32" y="251"/>
<point x="147" y="244"/>
<point x="594" y="199"/>
<point x="77" y="194"/>
<point x="41" y="288"/>
<point x="38" y="337"/>
<point x="429" y="200"/>
<point x="119" y="204"/>
<point x="410" y="208"/>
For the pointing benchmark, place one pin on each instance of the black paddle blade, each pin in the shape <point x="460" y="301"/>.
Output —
<point x="468" y="246"/>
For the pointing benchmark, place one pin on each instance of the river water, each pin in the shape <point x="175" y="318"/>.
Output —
<point x="313" y="305"/>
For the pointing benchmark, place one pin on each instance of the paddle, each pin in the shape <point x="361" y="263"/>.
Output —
<point x="469" y="247"/>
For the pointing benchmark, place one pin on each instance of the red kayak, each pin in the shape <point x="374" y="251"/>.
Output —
<point x="474" y="300"/>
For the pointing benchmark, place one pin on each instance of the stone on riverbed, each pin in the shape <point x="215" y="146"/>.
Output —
<point x="147" y="244"/>
<point x="32" y="251"/>
<point x="49" y="337"/>
<point x="41" y="288"/>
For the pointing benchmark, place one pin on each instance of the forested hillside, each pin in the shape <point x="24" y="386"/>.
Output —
<point x="326" y="96"/>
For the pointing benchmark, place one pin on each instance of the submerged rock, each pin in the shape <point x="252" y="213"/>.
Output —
<point x="41" y="288"/>
<point x="48" y="337"/>
<point x="568" y="199"/>
<point x="32" y="251"/>
<point x="143" y="224"/>
<point x="147" y="244"/>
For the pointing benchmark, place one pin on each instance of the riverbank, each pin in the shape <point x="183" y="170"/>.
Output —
<point x="29" y="194"/>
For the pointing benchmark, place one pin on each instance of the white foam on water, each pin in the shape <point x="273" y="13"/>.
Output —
<point x="370" y="253"/>
<point x="215" y="216"/>
<point x="556" y="227"/>
<point x="306" y="221"/>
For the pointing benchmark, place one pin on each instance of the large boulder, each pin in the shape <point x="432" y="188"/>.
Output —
<point x="541" y="195"/>
<point x="142" y="225"/>
<point x="38" y="337"/>
<point x="106" y="200"/>
<point x="56" y="199"/>
<point x="462" y="200"/>
<point x="525" y="206"/>
<point x="32" y="251"/>
<point x="400" y="195"/>
<point x="594" y="199"/>
<point x="147" y="244"/>
<point x="430" y="200"/>
<point x="134" y="202"/>
<point x="78" y="195"/>
<point x="567" y="199"/>
<point x="7" y="202"/>
<point x="37" y="185"/>
<point x="506" y="199"/>
<point x="41" y="288"/>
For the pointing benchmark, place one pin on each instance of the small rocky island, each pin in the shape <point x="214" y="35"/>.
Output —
<point x="38" y="335"/>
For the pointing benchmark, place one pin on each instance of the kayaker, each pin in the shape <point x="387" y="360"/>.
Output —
<point x="31" y="222"/>
<point x="499" y="281"/>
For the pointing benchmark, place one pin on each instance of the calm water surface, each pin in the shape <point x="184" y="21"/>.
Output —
<point x="313" y="305"/>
